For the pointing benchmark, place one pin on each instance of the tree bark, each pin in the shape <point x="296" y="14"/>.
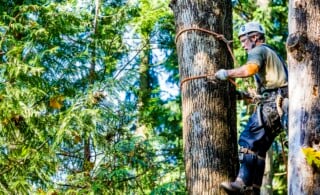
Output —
<point x="304" y="81"/>
<point x="209" y="115"/>
<point x="266" y="188"/>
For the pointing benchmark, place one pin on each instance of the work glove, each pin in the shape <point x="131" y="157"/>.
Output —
<point x="221" y="74"/>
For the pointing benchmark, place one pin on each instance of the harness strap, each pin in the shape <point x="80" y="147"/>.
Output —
<point x="248" y="151"/>
<point x="260" y="116"/>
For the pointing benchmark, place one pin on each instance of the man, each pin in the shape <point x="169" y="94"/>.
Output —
<point x="271" y="78"/>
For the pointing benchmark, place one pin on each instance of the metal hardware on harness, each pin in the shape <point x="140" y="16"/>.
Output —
<point x="283" y="91"/>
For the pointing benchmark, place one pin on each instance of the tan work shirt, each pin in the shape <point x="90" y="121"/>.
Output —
<point x="272" y="73"/>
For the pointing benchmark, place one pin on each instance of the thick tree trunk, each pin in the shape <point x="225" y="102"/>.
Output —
<point x="304" y="81"/>
<point x="209" y="115"/>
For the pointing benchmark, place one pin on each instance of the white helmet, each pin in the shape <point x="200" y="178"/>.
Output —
<point x="251" y="27"/>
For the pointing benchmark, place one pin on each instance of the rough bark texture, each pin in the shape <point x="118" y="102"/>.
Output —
<point x="304" y="81"/>
<point x="209" y="115"/>
<point x="266" y="187"/>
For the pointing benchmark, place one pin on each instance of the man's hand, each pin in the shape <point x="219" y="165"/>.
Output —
<point x="221" y="74"/>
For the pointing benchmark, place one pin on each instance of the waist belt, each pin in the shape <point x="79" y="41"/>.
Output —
<point x="248" y="151"/>
<point x="283" y="91"/>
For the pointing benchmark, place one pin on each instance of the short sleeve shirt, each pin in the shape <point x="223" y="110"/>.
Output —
<point x="272" y="71"/>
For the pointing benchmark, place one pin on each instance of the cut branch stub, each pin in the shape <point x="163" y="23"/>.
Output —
<point x="297" y="45"/>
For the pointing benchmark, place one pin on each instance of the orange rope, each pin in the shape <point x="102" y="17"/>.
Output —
<point x="192" y="78"/>
<point x="216" y="35"/>
<point x="204" y="76"/>
<point x="233" y="82"/>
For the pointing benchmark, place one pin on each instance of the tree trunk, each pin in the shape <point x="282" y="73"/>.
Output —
<point x="144" y="89"/>
<point x="87" y="164"/>
<point x="209" y="115"/>
<point x="266" y="188"/>
<point x="304" y="81"/>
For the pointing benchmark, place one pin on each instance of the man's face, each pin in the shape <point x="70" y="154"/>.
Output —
<point x="247" y="43"/>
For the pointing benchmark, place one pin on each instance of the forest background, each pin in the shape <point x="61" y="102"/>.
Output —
<point x="89" y="95"/>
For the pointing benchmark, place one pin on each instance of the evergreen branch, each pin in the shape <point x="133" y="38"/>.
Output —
<point x="72" y="186"/>
<point x="4" y="188"/>
<point x="129" y="62"/>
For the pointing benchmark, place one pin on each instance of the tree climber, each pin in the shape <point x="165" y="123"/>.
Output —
<point x="271" y="79"/>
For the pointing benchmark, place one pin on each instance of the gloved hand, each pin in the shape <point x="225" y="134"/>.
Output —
<point x="221" y="74"/>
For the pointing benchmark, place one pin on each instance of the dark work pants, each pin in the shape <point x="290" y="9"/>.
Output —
<point x="262" y="128"/>
<point x="251" y="169"/>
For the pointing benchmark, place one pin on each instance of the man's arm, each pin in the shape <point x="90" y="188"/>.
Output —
<point x="246" y="70"/>
<point x="243" y="71"/>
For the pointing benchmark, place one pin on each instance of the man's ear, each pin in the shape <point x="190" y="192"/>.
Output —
<point x="255" y="38"/>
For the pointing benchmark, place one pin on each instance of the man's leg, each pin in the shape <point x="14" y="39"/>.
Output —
<point x="244" y="179"/>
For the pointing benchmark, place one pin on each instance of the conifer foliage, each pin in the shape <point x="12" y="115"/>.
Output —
<point x="68" y="99"/>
